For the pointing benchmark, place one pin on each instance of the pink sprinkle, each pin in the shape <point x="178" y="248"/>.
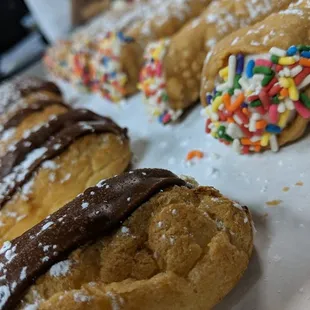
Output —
<point x="302" y="110"/>
<point x="270" y="85"/>
<point x="274" y="114"/>
<point x="159" y="69"/>
<point x="274" y="90"/>
<point x="265" y="99"/>
<point x="264" y="63"/>
<point x="166" y="118"/>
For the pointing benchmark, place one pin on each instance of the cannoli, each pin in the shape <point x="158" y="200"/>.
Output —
<point x="142" y="240"/>
<point x="256" y="83"/>
<point x="49" y="154"/>
<point x="112" y="67"/>
<point x="170" y="78"/>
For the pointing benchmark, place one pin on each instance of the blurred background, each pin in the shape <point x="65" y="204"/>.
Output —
<point x="28" y="26"/>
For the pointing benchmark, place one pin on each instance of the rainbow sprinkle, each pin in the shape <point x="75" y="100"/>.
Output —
<point x="153" y="83"/>
<point x="258" y="98"/>
<point x="96" y="66"/>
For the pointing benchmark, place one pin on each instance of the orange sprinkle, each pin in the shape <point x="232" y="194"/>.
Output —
<point x="284" y="93"/>
<point x="257" y="148"/>
<point x="246" y="141"/>
<point x="226" y="100"/>
<point x="304" y="62"/>
<point x="237" y="103"/>
<point x="246" y="111"/>
<point x="194" y="154"/>
<point x="230" y="120"/>
<point x="261" y="124"/>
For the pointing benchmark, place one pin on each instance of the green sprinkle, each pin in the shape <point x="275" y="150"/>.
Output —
<point x="165" y="97"/>
<point x="305" y="100"/>
<point x="221" y="132"/>
<point x="303" y="48"/>
<point x="218" y="93"/>
<point x="236" y="81"/>
<point x="255" y="104"/>
<point x="275" y="59"/>
<point x="275" y="99"/>
<point x="267" y="79"/>
<point x="262" y="70"/>
<point x="228" y="138"/>
<point x="231" y="91"/>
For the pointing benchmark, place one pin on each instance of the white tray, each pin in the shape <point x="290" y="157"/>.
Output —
<point x="279" y="273"/>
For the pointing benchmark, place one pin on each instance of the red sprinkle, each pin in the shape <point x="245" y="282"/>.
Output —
<point x="270" y="85"/>
<point x="301" y="76"/>
<point x="242" y="116"/>
<point x="252" y="98"/>
<point x="222" y="116"/>
<point x="274" y="90"/>
<point x="265" y="99"/>
<point x="246" y="131"/>
<point x="208" y="122"/>
<point x="260" y="110"/>
<point x="279" y="68"/>
<point x="245" y="150"/>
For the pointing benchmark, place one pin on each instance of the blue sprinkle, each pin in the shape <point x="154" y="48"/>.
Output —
<point x="209" y="99"/>
<point x="214" y="91"/>
<point x="113" y="75"/>
<point x="124" y="38"/>
<point x="105" y="60"/>
<point x="273" y="129"/>
<point x="249" y="69"/>
<point x="244" y="105"/>
<point x="240" y="64"/>
<point x="292" y="51"/>
<point x="305" y="54"/>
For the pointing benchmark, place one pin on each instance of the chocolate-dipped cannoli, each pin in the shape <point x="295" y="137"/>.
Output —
<point x="49" y="153"/>
<point x="256" y="83"/>
<point x="143" y="240"/>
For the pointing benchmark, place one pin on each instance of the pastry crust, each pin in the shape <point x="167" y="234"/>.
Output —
<point x="86" y="161"/>
<point x="282" y="30"/>
<point x="183" y="249"/>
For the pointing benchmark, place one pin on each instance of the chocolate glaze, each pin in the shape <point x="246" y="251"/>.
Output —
<point x="74" y="226"/>
<point x="55" y="137"/>
<point x="15" y="90"/>
<point x="22" y="113"/>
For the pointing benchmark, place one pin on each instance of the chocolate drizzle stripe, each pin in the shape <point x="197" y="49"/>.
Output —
<point x="94" y="214"/>
<point x="50" y="140"/>
<point x="13" y="91"/>
<point x="22" y="113"/>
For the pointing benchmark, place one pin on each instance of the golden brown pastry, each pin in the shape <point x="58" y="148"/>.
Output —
<point x="143" y="240"/>
<point x="256" y="83"/>
<point x="49" y="153"/>
<point x="170" y="78"/>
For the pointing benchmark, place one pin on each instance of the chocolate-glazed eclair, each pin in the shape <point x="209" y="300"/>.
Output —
<point x="146" y="239"/>
<point x="49" y="153"/>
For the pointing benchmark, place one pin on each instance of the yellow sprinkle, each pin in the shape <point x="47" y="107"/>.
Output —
<point x="248" y="93"/>
<point x="216" y="103"/>
<point x="287" y="61"/>
<point x="284" y="82"/>
<point x="217" y="124"/>
<point x="284" y="118"/>
<point x="224" y="73"/>
<point x="265" y="139"/>
<point x="213" y="134"/>
<point x="156" y="113"/>
<point x="293" y="91"/>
